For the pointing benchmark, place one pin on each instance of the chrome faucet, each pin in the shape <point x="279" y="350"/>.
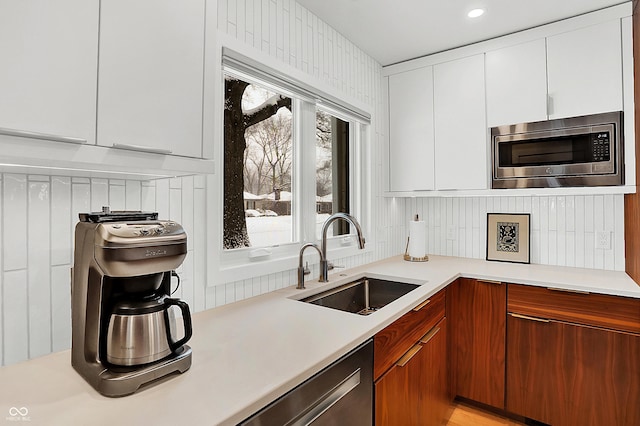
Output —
<point x="301" y="268"/>
<point x="324" y="264"/>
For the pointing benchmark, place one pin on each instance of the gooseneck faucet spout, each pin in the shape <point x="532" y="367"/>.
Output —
<point x="324" y="264"/>
<point x="301" y="268"/>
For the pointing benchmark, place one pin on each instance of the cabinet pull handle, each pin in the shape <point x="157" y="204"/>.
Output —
<point x="490" y="282"/>
<point x="407" y="357"/>
<point x="525" y="317"/>
<point x="564" y="290"/>
<point x="422" y="305"/>
<point x="141" y="148"/>
<point x="43" y="136"/>
<point x="430" y="335"/>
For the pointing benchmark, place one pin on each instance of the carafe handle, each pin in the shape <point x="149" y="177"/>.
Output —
<point x="186" y="318"/>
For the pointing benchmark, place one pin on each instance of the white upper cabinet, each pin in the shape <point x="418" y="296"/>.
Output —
<point x="517" y="84"/>
<point x="49" y="52"/>
<point x="150" y="81"/>
<point x="460" y="124"/>
<point x="411" y="163"/>
<point x="585" y="70"/>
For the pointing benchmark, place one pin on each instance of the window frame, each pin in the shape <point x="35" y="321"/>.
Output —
<point x="245" y="263"/>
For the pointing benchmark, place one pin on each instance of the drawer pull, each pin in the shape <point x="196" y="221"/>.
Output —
<point x="43" y="136"/>
<point x="564" y="290"/>
<point x="422" y="305"/>
<point x="430" y="335"/>
<point x="525" y="317"/>
<point x="407" y="357"/>
<point x="141" y="148"/>
<point x="490" y="282"/>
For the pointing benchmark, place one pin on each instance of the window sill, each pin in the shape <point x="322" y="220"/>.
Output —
<point x="259" y="268"/>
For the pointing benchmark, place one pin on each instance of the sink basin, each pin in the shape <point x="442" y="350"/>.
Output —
<point x="363" y="296"/>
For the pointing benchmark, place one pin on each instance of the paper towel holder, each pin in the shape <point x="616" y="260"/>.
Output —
<point x="408" y="258"/>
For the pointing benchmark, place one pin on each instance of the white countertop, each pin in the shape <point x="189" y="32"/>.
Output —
<point x="248" y="353"/>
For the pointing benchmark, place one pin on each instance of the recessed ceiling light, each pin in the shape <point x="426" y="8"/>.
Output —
<point x="475" y="13"/>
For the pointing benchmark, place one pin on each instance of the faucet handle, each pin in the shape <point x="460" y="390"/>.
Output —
<point x="306" y="269"/>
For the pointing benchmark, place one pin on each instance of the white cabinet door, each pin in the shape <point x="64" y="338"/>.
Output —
<point x="411" y="130"/>
<point x="150" y="82"/>
<point x="460" y="124"/>
<point x="517" y="84"/>
<point x="585" y="71"/>
<point x="49" y="52"/>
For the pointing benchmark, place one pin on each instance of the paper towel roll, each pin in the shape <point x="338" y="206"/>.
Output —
<point x="417" y="238"/>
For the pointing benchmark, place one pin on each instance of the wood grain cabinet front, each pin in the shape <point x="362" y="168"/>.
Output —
<point x="567" y="363"/>
<point x="415" y="390"/>
<point x="478" y="318"/>
<point x="411" y="367"/>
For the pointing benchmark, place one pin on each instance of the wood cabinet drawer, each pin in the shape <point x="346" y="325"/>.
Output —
<point x="392" y="342"/>
<point x="598" y="310"/>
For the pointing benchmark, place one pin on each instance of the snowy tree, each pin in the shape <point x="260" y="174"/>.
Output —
<point x="236" y="122"/>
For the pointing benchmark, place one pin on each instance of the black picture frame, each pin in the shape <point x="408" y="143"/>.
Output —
<point x="509" y="237"/>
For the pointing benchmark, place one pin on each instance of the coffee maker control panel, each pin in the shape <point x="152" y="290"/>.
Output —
<point x="146" y="230"/>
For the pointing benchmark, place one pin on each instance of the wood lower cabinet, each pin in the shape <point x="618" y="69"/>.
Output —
<point x="411" y="367"/>
<point x="566" y="374"/>
<point x="567" y="364"/>
<point x="415" y="390"/>
<point x="478" y="320"/>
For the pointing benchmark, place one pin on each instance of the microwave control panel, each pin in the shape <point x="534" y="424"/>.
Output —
<point x="600" y="146"/>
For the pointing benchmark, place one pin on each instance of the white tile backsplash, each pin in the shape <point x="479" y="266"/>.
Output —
<point x="562" y="227"/>
<point x="14" y="222"/>
<point x="38" y="271"/>
<point x="16" y="317"/>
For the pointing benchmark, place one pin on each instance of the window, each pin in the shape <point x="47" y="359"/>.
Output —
<point x="288" y="163"/>
<point x="258" y="165"/>
<point x="332" y="170"/>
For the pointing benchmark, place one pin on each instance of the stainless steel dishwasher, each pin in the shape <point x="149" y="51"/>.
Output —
<point x="341" y="394"/>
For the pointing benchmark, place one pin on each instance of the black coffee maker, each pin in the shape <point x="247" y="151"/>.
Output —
<point x="123" y="318"/>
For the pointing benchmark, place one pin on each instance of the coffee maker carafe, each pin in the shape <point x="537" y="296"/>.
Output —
<point x="123" y="318"/>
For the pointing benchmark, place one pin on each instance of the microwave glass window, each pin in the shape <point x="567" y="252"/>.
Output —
<point x="571" y="149"/>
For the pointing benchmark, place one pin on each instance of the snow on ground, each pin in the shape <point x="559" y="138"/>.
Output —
<point x="269" y="231"/>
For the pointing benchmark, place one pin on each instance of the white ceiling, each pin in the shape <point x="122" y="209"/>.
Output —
<point x="393" y="31"/>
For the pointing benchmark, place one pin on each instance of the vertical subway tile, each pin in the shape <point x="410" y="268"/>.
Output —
<point x="570" y="248"/>
<point x="100" y="194"/>
<point x="535" y="213"/>
<point x="187" y="217"/>
<point x="148" y="196"/>
<point x="61" y="229"/>
<point x="117" y="194"/>
<point x="16" y="316"/>
<point x="80" y="199"/>
<point x="561" y="211"/>
<point x="133" y="195"/>
<point x="618" y="243"/>
<point x="39" y="286"/>
<point x="580" y="250"/>
<point x="221" y="295"/>
<point x="199" y="249"/>
<point x="14" y="221"/>
<point x="588" y="213"/>
<point x="210" y="298"/>
<point x="570" y="213"/>
<point x="553" y="214"/>
<point x="162" y="198"/>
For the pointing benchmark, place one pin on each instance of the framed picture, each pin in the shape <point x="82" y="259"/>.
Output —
<point x="508" y="237"/>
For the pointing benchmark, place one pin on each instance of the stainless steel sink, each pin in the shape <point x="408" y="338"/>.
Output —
<point x="363" y="296"/>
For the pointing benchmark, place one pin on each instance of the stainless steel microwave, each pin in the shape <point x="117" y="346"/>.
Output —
<point x="577" y="151"/>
